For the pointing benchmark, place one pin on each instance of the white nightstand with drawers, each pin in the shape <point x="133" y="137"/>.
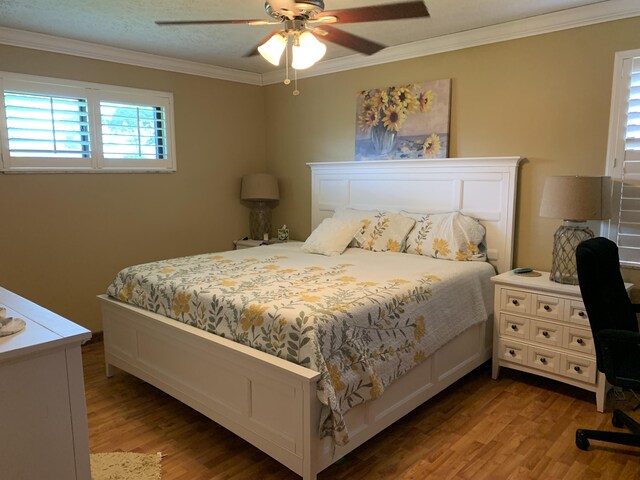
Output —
<point x="541" y="327"/>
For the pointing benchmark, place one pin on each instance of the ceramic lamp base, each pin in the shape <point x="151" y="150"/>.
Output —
<point x="259" y="220"/>
<point x="564" y="268"/>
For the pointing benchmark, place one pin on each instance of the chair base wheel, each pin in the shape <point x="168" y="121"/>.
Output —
<point x="616" y="421"/>
<point x="582" y="442"/>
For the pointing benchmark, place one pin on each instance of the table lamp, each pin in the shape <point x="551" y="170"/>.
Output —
<point x="575" y="200"/>
<point x="259" y="189"/>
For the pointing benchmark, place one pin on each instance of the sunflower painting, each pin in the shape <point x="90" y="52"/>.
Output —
<point x="404" y="121"/>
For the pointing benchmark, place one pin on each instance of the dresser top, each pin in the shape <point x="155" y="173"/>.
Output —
<point x="540" y="283"/>
<point x="44" y="329"/>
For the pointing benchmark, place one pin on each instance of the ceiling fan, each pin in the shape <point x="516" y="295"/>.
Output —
<point x="303" y="20"/>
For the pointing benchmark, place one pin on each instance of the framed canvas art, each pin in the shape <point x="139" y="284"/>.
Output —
<point x="404" y="121"/>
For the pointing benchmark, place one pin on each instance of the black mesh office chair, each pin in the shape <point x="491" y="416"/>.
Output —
<point x="613" y="322"/>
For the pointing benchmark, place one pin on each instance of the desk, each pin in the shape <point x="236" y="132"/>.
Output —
<point x="43" y="414"/>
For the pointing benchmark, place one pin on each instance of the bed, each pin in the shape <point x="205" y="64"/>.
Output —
<point x="273" y="403"/>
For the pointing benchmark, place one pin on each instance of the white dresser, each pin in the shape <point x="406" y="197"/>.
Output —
<point x="542" y="327"/>
<point x="43" y="414"/>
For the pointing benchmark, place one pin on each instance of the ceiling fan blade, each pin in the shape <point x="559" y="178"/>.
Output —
<point x="374" y="13"/>
<point x="253" y="52"/>
<point x="350" y="40"/>
<point x="211" y="22"/>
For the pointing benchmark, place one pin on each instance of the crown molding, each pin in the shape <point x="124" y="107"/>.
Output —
<point x="552" y="22"/>
<point x="604" y="11"/>
<point x="50" y="43"/>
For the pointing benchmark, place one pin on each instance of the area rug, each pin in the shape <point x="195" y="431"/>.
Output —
<point x="126" y="466"/>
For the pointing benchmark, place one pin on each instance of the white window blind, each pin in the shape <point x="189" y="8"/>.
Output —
<point x="58" y="125"/>
<point x="133" y="131"/>
<point x="43" y="126"/>
<point x="624" y="159"/>
<point x="632" y="137"/>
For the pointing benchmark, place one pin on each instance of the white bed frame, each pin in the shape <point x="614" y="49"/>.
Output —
<point x="272" y="403"/>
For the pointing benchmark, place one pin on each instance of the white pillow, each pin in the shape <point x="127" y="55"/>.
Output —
<point x="381" y="231"/>
<point x="353" y="215"/>
<point x="331" y="237"/>
<point x="450" y="236"/>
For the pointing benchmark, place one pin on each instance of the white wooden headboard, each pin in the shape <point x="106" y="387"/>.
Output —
<point x="483" y="188"/>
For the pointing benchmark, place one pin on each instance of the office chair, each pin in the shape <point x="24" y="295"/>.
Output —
<point x="614" y="325"/>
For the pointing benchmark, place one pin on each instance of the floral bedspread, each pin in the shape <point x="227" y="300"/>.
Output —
<point x="361" y="319"/>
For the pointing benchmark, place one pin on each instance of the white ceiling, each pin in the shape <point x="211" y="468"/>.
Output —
<point x="130" y="24"/>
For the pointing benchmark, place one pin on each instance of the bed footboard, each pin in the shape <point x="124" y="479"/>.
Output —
<point x="269" y="402"/>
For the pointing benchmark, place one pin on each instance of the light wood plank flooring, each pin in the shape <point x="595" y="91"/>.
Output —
<point x="518" y="427"/>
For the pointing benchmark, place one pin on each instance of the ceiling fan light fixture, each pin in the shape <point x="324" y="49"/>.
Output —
<point x="307" y="51"/>
<point x="272" y="49"/>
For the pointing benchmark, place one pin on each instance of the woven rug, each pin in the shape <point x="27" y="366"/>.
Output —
<point x="125" y="466"/>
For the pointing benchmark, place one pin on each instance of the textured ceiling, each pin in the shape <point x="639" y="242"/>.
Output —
<point x="130" y="24"/>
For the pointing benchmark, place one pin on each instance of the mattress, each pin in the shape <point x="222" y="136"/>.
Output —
<point x="361" y="319"/>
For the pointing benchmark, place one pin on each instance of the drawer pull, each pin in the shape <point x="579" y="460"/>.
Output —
<point x="580" y="341"/>
<point x="545" y="334"/>
<point x="512" y="353"/>
<point x="515" y="302"/>
<point x="577" y="369"/>
<point x="543" y="360"/>
<point x="514" y="328"/>
<point x="547" y="308"/>
<point x="581" y="314"/>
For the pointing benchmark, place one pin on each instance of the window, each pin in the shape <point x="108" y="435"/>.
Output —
<point x="51" y="125"/>
<point x="132" y="131"/>
<point x="623" y="158"/>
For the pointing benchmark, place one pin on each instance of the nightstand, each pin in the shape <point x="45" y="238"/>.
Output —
<point x="248" y="243"/>
<point x="541" y="327"/>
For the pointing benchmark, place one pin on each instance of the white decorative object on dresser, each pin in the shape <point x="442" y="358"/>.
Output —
<point x="43" y="415"/>
<point x="542" y="327"/>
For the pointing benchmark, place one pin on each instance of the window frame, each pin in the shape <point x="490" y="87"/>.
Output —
<point x="95" y="93"/>
<point x="616" y="145"/>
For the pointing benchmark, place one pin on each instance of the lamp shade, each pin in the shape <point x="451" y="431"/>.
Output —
<point x="259" y="187"/>
<point x="576" y="198"/>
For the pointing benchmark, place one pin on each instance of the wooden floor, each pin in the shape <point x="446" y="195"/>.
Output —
<point x="518" y="427"/>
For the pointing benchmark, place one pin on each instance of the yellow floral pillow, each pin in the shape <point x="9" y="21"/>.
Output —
<point x="381" y="231"/>
<point x="450" y="236"/>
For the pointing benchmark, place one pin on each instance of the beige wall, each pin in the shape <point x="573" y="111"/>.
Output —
<point x="546" y="98"/>
<point x="65" y="236"/>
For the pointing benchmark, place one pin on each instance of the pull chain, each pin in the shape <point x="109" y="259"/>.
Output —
<point x="287" y="81"/>
<point x="296" y="92"/>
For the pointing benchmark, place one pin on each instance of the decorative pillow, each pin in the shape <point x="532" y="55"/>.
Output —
<point x="381" y="231"/>
<point x="450" y="236"/>
<point x="353" y="215"/>
<point x="331" y="237"/>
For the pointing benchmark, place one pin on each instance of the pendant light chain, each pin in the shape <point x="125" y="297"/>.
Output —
<point x="287" y="81"/>
<point x="296" y="92"/>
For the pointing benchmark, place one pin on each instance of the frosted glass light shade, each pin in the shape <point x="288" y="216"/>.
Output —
<point x="272" y="49"/>
<point x="308" y="51"/>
